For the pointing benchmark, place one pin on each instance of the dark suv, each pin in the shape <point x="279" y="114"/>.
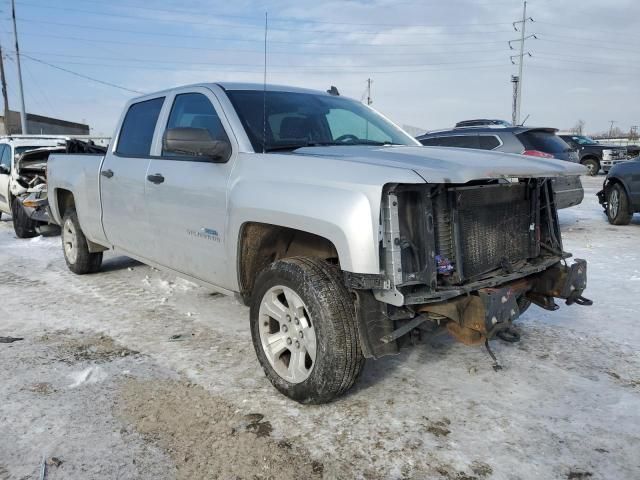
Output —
<point x="533" y="141"/>
<point x="594" y="155"/>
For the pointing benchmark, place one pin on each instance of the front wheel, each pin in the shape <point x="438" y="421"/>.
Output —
<point x="304" y="330"/>
<point x="618" y="206"/>
<point x="76" y="248"/>
<point x="593" y="167"/>
<point x="22" y="224"/>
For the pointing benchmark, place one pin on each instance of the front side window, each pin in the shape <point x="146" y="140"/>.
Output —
<point x="194" y="110"/>
<point x="289" y="120"/>
<point x="5" y="156"/>
<point x="137" y="129"/>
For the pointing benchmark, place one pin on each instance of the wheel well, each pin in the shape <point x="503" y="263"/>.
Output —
<point x="261" y="244"/>
<point x="65" y="200"/>
<point x="615" y="181"/>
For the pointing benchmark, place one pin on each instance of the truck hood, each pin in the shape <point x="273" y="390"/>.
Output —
<point x="449" y="165"/>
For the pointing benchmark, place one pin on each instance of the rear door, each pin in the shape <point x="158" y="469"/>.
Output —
<point x="123" y="178"/>
<point x="186" y="196"/>
<point x="5" y="161"/>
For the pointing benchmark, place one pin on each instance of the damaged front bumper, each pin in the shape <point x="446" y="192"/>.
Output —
<point x="481" y="315"/>
<point x="478" y="317"/>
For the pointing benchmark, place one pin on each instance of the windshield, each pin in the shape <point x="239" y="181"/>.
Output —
<point x="581" y="140"/>
<point x="295" y="120"/>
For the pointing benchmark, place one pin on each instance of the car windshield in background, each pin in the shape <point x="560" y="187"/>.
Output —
<point x="543" y="141"/>
<point x="581" y="140"/>
<point x="295" y="120"/>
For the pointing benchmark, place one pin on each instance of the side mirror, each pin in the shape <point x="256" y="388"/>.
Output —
<point x="195" y="142"/>
<point x="4" y="170"/>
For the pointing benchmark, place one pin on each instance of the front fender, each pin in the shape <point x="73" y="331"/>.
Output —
<point x="347" y="218"/>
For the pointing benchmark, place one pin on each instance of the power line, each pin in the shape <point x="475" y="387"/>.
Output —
<point x="285" y="67"/>
<point x="184" y="47"/>
<point x="81" y="75"/>
<point x="236" y="39"/>
<point x="587" y="45"/>
<point x="257" y="68"/>
<point x="256" y="27"/>
<point x="257" y="19"/>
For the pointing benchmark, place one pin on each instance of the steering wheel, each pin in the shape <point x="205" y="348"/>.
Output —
<point x="346" y="136"/>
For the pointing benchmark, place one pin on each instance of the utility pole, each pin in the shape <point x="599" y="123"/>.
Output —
<point x="369" y="100"/>
<point x="611" y="127"/>
<point x="522" y="39"/>
<point x="3" y="80"/>
<point x="23" y="112"/>
<point x="514" y="107"/>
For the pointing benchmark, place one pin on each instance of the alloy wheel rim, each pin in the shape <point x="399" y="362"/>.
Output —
<point x="614" y="203"/>
<point x="69" y="241"/>
<point x="287" y="334"/>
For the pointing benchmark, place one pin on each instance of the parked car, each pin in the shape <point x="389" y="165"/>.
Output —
<point x="531" y="141"/>
<point x="340" y="230"/>
<point x="620" y="194"/>
<point x="595" y="156"/>
<point x="23" y="178"/>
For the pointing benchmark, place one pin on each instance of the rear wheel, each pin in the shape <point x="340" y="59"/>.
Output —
<point x="22" y="224"/>
<point x="75" y="247"/>
<point x="304" y="330"/>
<point x="593" y="166"/>
<point x="618" y="206"/>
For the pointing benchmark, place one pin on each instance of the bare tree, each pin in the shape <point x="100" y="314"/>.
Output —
<point x="578" y="128"/>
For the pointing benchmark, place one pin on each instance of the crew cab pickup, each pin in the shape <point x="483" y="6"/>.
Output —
<point x="341" y="232"/>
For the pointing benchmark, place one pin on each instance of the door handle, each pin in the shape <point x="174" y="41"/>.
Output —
<point x="155" y="178"/>
<point x="107" y="173"/>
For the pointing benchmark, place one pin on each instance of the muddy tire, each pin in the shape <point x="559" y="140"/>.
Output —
<point x="75" y="247"/>
<point x="304" y="330"/>
<point x="593" y="166"/>
<point x="22" y="224"/>
<point x="618" y="206"/>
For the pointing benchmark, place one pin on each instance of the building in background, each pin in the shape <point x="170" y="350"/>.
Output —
<point x="39" y="125"/>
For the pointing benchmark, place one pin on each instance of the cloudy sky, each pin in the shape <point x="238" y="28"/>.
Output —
<point x="432" y="62"/>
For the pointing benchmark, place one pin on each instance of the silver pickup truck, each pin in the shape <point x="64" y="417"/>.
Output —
<point x="344" y="235"/>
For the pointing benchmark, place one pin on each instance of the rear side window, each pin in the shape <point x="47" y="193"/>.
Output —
<point x="547" y="142"/>
<point x="488" y="142"/>
<point x="460" y="141"/>
<point x="138" y="127"/>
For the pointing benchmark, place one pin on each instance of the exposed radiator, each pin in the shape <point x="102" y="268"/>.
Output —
<point x="489" y="228"/>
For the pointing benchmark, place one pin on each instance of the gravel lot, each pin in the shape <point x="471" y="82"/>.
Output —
<point x="133" y="373"/>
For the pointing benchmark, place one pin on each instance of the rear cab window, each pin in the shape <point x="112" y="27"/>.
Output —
<point x="543" y="141"/>
<point x="136" y="133"/>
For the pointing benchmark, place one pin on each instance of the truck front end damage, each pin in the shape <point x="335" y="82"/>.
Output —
<point x="466" y="258"/>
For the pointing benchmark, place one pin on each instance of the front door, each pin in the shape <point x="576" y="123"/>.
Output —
<point x="186" y="195"/>
<point x="123" y="179"/>
<point x="5" y="169"/>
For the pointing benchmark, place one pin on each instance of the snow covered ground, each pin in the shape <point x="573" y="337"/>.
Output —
<point x="99" y="383"/>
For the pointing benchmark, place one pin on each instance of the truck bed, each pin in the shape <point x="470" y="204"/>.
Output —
<point x="80" y="174"/>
